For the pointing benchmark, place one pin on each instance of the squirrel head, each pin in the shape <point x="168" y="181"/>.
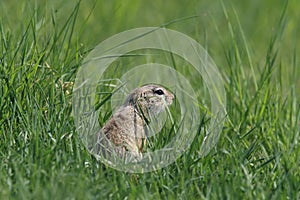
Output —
<point x="150" y="100"/>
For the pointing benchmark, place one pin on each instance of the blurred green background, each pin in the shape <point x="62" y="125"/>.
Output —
<point x="98" y="20"/>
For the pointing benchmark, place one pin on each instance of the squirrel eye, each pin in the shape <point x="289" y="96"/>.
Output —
<point x="159" y="92"/>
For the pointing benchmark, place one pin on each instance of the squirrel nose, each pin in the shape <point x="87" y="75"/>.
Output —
<point x="170" y="99"/>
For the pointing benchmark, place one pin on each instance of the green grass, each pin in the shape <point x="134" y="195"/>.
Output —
<point x="256" y="48"/>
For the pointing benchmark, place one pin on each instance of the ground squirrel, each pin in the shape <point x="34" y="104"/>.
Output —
<point x="127" y="129"/>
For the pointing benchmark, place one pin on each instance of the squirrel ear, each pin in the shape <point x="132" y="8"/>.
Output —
<point x="131" y="99"/>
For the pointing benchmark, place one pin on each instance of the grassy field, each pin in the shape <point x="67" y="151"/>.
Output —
<point x="255" y="46"/>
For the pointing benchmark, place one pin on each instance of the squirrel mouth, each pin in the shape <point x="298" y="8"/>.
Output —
<point x="170" y="100"/>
